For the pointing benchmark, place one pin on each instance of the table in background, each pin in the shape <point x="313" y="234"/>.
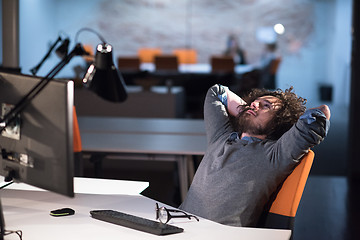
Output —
<point x="145" y="138"/>
<point x="29" y="211"/>
<point x="195" y="79"/>
<point x="197" y="68"/>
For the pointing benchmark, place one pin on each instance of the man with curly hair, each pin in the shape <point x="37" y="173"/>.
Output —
<point x="253" y="146"/>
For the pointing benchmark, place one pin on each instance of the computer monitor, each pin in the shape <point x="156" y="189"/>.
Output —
<point x="37" y="148"/>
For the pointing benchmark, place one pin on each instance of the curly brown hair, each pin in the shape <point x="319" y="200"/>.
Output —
<point x="292" y="108"/>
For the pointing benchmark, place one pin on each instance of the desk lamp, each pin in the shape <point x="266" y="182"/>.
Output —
<point x="102" y="77"/>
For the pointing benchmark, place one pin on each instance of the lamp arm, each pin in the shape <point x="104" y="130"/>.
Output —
<point x="11" y="115"/>
<point x="35" y="69"/>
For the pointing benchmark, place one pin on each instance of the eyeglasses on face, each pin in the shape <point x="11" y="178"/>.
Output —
<point x="164" y="216"/>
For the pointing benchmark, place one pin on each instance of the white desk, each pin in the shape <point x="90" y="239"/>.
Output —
<point x="177" y="138"/>
<point x="29" y="211"/>
<point x="93" y="186"/>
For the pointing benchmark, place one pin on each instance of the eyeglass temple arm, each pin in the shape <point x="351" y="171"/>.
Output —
<point x="179" y="211"/>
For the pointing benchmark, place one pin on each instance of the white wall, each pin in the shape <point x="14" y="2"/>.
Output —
<point x="38" y="32"/>
<point x="340" y="54"/>
<point x="309" y="68"/>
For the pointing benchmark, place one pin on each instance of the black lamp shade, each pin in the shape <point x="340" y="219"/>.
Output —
<point x="103" y="78"/>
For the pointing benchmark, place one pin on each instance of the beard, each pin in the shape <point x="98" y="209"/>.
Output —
<point x="244" y="124"/>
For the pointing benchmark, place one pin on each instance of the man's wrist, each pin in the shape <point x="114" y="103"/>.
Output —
<point x="222" y="95"/>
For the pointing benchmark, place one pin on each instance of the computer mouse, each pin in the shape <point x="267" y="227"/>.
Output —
<point x="62" y="212"/>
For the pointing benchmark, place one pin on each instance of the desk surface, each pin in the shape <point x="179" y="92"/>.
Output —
<point x="29" y="211"/>
<point x="93" y="186"/>
<point x="142" y="125"/>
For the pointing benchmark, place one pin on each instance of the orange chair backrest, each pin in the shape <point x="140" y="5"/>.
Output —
<point x="186" y="55"/>
<point x="222" y="64"/>
<point x="166" y="62"/>
<point x="76" y="133"/>
<point x="274" y="65"/>
<point x="288" y="198"/>
<point x="129" y="63"/>
<point x="147" y="55"/>
<point x="90" y="50"/>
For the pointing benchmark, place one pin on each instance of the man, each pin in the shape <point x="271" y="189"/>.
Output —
<point x="252" y="148"/>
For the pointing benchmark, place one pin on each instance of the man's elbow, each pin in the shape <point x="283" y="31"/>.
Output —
<point x="326" y="110"/>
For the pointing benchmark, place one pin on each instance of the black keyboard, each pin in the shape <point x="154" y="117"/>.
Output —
<point x="135" y="222"/>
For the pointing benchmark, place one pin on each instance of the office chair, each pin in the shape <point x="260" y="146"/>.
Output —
<point x="270" y="73"/>
<point x="186" y="55"/>
<point x="166" y="62"/>
<point x="89" y="58"/>
<point x="274" y="65"/>
<point x="77" y="146"/>
<point x="283" y="209"/>
<point x="147" y="55"/>
<point x="222" y="64"/>
<point x="129" y="63"/>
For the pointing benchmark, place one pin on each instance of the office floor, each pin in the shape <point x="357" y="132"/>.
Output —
<point x="329" y="208"/>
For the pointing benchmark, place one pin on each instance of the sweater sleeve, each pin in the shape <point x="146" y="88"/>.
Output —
<point x="310" y="130"/>
<point x="215" y="114"/>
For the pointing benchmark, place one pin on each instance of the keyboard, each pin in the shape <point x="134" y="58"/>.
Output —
<point x="135" y="222"/>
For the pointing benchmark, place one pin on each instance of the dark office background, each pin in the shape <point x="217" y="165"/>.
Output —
<point x="316" y="51"/>
<point x="315" y="46"/>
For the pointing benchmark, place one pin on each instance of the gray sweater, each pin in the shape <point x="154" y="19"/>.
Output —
<point x="237" y="177"/>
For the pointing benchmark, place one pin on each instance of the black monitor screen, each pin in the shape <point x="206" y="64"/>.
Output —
<point x="37" y="147"/>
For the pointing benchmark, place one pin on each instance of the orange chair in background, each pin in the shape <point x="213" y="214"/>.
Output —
<point x="186" y="55"/>
<point x="222" y="64"/>
<point x="90" y="50"/>
<point x="274" y="65"/>
<point x="129" y="63"/>
<point x="269" y="74"/>
<point x="283" y="209"/>
<point x="166" y="62"/>
<point x="147" y="55"/>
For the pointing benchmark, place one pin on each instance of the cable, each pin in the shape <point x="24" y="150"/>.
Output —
<point x="7" y="184"/>
<point x="89" y="30"/>
<point x="18" y="232"/>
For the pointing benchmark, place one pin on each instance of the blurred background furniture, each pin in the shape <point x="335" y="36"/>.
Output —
<point x="166" y="62"/>
<point x="269" y="74"/>
<point x="130" y="63"/>
<point x="149" y="139"/>
<point x="147" y="55"/>
<point x="186" y="55"/>
<point x="157" y="102"/>
<point x="222" y="64"/>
